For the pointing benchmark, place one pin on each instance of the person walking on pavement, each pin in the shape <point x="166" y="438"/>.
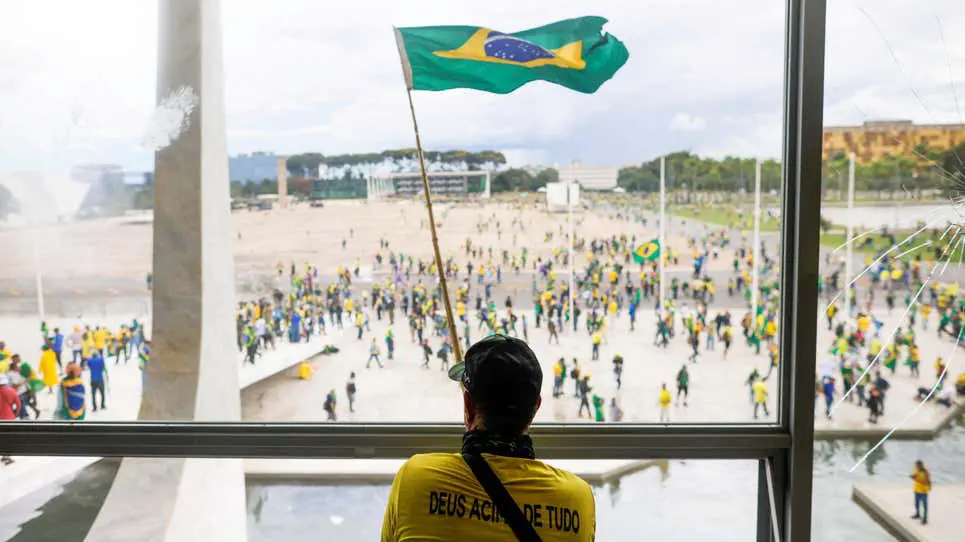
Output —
<point x="683" y="384"/>
<point x="350" y="390"/>
<point x="618" y="369"/>
<point x="760" y="396"/>
<point x="390" y="343"/>
<point x="663" y="399"/>
<point x="554" y="334"/>
<point x="874" y="405"/>
<point x="616" y="413"/>
<point x="374" y="353"/>
<point x="597" y="339"/>
<point x="9" y="407"/>
<point x="329" y="406"/>
<point x="98" y="376"/>
<point x="575" y="375"/>
<point x="426" y="353"/>
<point x="443" y="355"/>
<point x="921" y="487"/>
<point x="584" y="388"/>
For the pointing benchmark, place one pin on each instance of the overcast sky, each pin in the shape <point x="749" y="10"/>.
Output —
<point x="77" y="78"/>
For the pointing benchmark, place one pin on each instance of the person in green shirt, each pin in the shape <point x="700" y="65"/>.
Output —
<point x="598" y="404"/>
<point x="683" y="384"/>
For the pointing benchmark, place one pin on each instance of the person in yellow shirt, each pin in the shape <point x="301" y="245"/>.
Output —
<point x="86" y="348"/>
<point x="100" y="339"/>
<point x="5" y="357"/>
<point x="664" y="401"/>
<point x="760" y="397"/>
<point x="925" y="310"/>
<point x="597" y="339"/>
<point x="921" y="480"/>
<point x="48" y="368"/>
<point x="770" y="331"/>
<point x="461" y="496"/>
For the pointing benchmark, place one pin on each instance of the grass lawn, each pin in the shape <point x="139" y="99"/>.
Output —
<point x="874" y="244"/>
<point x="727" y="216"/>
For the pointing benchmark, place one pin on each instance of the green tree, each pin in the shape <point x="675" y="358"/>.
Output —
<point x="513" y="180"/>
<point x="546" y="176"/>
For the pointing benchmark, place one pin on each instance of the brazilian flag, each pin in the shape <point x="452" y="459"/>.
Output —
<point x="574" y="53"/>
<point x="647" y="251"/>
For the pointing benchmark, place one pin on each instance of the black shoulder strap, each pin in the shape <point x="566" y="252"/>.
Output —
<point x="501" y="498"/>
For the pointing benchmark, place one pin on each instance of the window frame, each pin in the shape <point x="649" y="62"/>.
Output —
<point x="785" y="447"/>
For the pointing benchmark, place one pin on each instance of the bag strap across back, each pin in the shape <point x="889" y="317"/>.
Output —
<point x="501" y="498"/>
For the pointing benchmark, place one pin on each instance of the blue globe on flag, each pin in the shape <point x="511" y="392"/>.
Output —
<point x="506" y="47"/>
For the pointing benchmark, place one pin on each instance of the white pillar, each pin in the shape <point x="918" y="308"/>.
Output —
<point x="193" y="370"/>
<point x="756" y="247"/>
<point x="663" y="232"/>
<point x="569" y="245"/>
<point x="488" y="185"/>
<point x="849" y="256"/>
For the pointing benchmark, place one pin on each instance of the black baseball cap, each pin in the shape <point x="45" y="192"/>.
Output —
<point x="500" y="371"/>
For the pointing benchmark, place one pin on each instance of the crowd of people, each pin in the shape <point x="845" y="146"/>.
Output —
<point x="608" y="284"/>
<point x="73" y="368"/>
<point x="712" y="309"/>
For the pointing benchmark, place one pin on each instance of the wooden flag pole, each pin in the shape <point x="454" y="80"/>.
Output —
<point x="453" y="336"/>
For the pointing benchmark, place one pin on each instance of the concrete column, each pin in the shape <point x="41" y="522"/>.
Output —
<point x="282" y="174"/>
<point x="193" y="370"/>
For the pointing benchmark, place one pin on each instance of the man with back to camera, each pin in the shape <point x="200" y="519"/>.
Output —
<point x="451" y="496"/>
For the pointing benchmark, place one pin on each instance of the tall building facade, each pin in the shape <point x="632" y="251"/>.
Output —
<point x="876" y="139"/>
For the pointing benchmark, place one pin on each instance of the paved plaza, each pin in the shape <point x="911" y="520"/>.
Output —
<point x="891" y="505"/>
<point x="404" y="391"/>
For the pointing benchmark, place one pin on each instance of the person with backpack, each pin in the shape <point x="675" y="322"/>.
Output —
<point x="329" y="406"/>
<point x="575" y="375"/>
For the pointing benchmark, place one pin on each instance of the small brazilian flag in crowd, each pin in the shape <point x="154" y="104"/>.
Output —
<point x="574" y="53"/>
<point x="647" y="251"/>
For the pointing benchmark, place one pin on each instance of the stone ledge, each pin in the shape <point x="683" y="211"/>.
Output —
<point x="890" y="505"/>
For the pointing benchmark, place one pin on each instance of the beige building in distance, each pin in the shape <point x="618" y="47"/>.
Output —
<point x="876" y="139"/>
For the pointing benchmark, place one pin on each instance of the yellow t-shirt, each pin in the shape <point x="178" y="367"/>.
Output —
<point x="100" y="337"/>
<point x="664" y="398"/>
<point x="760" y="391"/>
<point x="436" y="497"/>
<point x="922" y="481"/>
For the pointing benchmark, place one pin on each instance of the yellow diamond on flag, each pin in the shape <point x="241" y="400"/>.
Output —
<point x="647" y="251"/>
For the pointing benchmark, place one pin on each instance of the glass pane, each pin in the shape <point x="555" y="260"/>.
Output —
<point x="293" y="509"/>
<point x="890" y="312"/>
<point x="351" y="207"/>
<point x="509" y="251"/>
<point x="77" y="143"/>
<point x="883" y="480"/>
<point x="70" y="498"/>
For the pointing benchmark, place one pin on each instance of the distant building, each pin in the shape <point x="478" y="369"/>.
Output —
<point x="252" y="167"/>
<point x="876" y="139"/>
<point x="590" y="177"/>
